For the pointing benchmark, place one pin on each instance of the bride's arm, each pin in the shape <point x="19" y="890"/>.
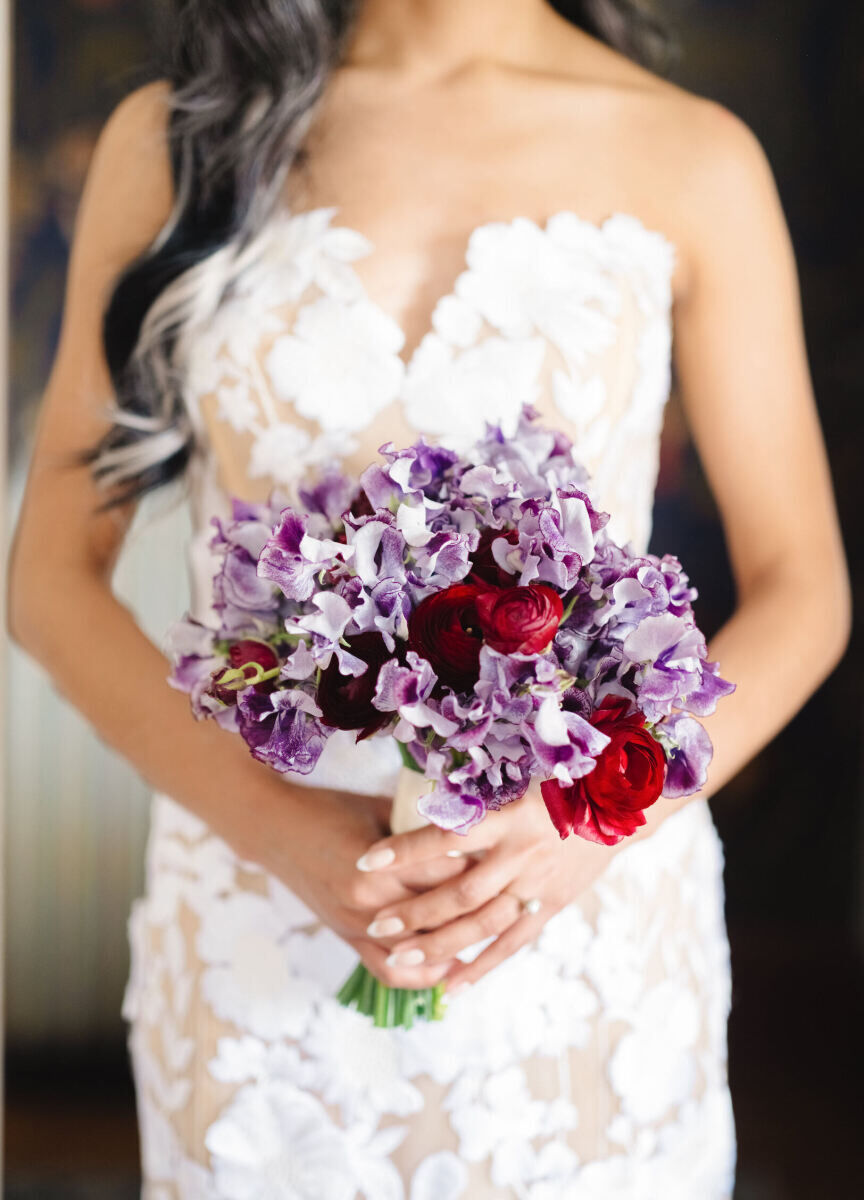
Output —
<point x="62" y="609"/>
<point x="742" y="365"/>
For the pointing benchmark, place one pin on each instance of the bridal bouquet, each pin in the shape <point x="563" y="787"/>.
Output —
<point x="475" y="609"/>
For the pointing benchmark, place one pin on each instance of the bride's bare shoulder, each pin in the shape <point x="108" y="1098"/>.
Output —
<point x="638" y="102"/>
<point x="687" y="162"/>
<point x="589" y="89"/>
<point x="128" y="195"/>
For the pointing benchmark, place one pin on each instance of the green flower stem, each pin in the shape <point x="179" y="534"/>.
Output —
<point x="350" y="990"/>
<point x="235" y="678"/>
<point x="568" y="610"/>
<point x="410" y="1009"/>
<point x="382" y="995"/>
<point x="390" y="1008"/>
<point x="439" y="1006"/>
<point x="367" y="993"/>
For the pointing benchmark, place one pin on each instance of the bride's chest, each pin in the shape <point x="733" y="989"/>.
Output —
<point x="294" y="358"/>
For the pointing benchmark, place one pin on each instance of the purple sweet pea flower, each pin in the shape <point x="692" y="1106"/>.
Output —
<point x="379" y="550"/>
<point x="702" y="701"/>
<point x="407" y="689"/>
<point x="564" y="744"/>
<point x="668" y="652"/>
<point x="247" y="510"/>
<point x="451" y="809"/>
<point x="330" y="495"/>
<point x="510" y="788"/>
<point x="688" y="754"/>
<point x="189" y="637"/>
<point x="419" y="468"/>
<point x="283" y="562"/>
<point x="444" y="558"/>
<point x="559" y="540"/>
<point x="328" y="623"/>
<point x="282" y="729"/>
<point x="300" y="663"/>
<point x="194" y="661"/>
<point x="681" y="594"/>
<point x="238" y="585"/>
<point x="193" y="675"/>
<point x="240" y="598"/>
<point x="382" y="491"/>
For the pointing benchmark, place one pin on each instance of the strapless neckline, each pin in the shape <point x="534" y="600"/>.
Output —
<point x="300" y="365"/>
<point x="619" y="221"/>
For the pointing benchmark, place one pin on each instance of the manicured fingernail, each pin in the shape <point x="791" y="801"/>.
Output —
<point x="386" y="927"/>
<point x="455" y="853"/>
<point x="458" y="989"/>
<point x="407" y="958"/>
<point x="376" y="859"/>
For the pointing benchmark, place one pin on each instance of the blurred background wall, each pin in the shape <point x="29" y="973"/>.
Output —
<point x="791" y="822"/>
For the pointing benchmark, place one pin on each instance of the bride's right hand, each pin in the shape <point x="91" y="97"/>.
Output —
<point x="312" y="839"/>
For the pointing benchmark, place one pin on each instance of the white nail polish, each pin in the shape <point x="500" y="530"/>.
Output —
<point x="386" y="927"/>
<point x="375" y="860"/>
<point x="455" y="853"/>
<point x="406" y="958"/>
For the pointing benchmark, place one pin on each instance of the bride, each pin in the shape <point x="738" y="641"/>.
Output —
<point x="324" y="226"/>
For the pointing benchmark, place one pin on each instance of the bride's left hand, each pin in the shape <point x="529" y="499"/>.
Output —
<point x="520" y="858"/>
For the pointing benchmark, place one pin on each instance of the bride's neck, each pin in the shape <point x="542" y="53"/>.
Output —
<point x="426" y="35"/>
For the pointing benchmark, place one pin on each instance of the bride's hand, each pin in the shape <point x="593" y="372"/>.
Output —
<point x="521" y="858"/>
<point x="312" y="839"/>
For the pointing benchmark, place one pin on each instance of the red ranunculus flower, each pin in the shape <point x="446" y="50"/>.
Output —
<point x="607" y="804"/>
<point x="445" y="630"/>
<point x="243" y="655"/>
<point x="484" y="568"/>
<point x="519" y="620"/>
<point x="346" y="700"/>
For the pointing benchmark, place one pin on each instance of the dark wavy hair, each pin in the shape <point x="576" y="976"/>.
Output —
<point x="245" y="81"/>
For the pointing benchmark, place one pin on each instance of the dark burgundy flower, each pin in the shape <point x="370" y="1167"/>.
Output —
<point x="360" y="506"/>
<point x="346" y="700"/>
<point x="520" y="620"/>
<point x="484" y="568"/>
<point x="252" y="650"/>
<point x="445" y="629"/>
<point x="247" y="655"/>
<point x="607" y="804"/>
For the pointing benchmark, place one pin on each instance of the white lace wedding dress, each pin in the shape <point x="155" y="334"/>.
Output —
<point x="589" y="1066"/>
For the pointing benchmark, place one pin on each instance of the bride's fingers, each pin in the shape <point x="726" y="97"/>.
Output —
<point x="524" y="931"/>
<point x="407" y="849"/>
<point x="439" y="906"/>
<point x="446" y="943"/>
<point x="433" y="872"/>
<point x="381" y="807"/>
<point x="375" y="958"/>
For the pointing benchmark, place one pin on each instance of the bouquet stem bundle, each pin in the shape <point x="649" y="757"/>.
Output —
<point x="390" y="1007"/>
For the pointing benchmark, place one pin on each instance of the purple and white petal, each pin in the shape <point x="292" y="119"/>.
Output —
<point x="451" y="809"/>
<point x="688" y="754"/>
